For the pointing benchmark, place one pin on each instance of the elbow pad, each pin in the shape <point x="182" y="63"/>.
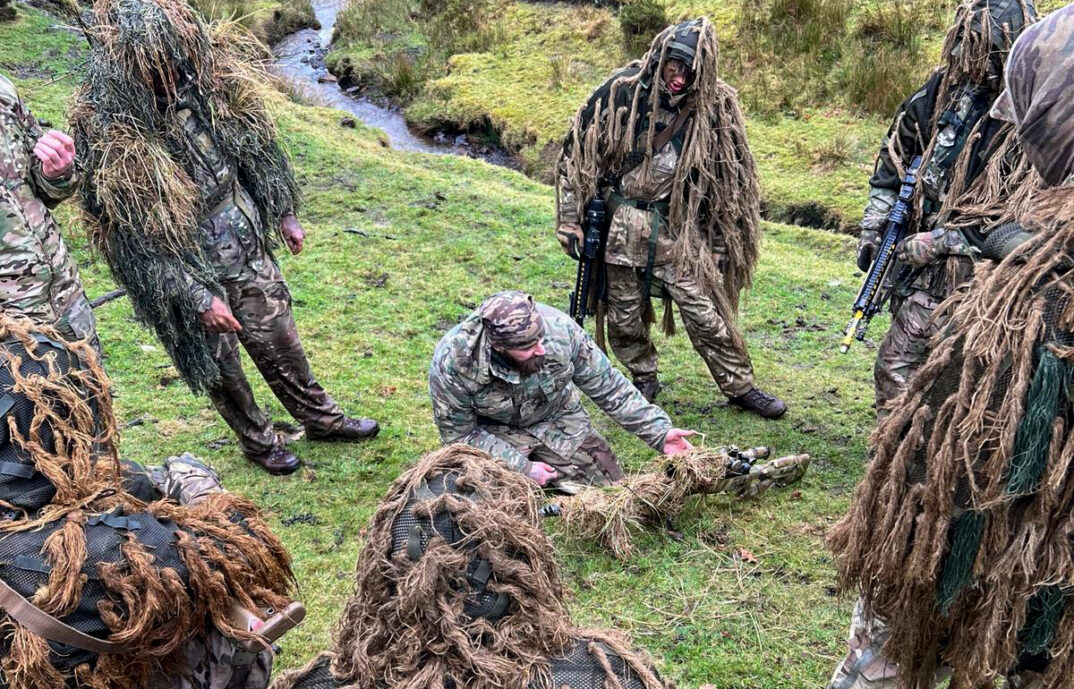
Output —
<point x="1002" y="241"/>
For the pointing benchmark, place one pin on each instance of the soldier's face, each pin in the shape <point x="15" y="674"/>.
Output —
<point x="529" y="360"/>
<point x="676" y="75"/>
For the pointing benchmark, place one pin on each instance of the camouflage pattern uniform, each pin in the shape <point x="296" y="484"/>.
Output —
<point x="259" y="300"/>
<point x="481" y="400"/>
<point x="638" y="208"/>
<point x="38" y="277"/>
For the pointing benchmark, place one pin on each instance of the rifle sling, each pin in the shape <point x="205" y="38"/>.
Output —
<point x="45" y="625"/>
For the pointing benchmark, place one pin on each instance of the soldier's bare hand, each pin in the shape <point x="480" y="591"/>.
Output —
<point x="570" y="237"/>
<point x="219" y="318"/>
<point x="542" y="473"/>
<point x="292" y="233"/>
<point x="56" y="151"/>
<point x="676" y="441"/>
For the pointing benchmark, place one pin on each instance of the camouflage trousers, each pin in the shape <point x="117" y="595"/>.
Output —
<point x="865" y="666"/>
<point x="263" y="306"/>
<point x="905" y="347"/>
<point x="594" y="463"/>
<point x="711" y="332"/>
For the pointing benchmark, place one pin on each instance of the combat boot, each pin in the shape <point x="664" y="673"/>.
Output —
<point x="277" y="461"/>
<point x="348" y="430"/>
<point x="761" y="403"/>
<point x="648" y="388"/>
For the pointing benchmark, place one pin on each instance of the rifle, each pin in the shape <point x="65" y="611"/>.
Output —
<point x="873" y="295"/>
<point x="590" y="280"/>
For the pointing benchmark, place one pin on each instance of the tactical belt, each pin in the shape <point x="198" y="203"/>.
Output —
<point x="658" y="212"/>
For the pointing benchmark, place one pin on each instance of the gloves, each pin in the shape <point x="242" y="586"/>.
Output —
<point x="868" y="244"/>
<point x="570" y="237"/>
<point x="923" y="248"/>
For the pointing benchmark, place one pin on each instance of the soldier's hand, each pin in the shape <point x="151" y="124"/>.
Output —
<point x="676" y="441"/>
<point x="219" y="319"/>
<point x="919" y="249"/>
<point x="292" y="233"/>
<point x="868" y="244"/>
<point x="56" y="151"/>
<point x="570" y="237"/>
<point x="542" y="473"/>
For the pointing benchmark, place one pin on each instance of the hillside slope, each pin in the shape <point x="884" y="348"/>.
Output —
<point x="401" y="246"/>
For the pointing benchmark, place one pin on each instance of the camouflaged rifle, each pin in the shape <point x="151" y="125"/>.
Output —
<point x="875" y="291"/>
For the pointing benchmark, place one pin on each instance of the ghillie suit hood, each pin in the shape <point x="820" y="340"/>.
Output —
<point x="715" y="195"/>
<point x="148" y="577"/>
<point x="654" y="498"/>
<point x="140" y="200"/>
<point x="959" y="536"/>
<point x="974" y="52"/>
<point x="458" y="587"/>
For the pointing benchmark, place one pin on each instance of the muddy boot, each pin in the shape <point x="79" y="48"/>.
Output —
<point x="348" y="430"/>
<point x="279" y="460"/>
<point x="761" y="403"/>
<point x="648" y="388"/>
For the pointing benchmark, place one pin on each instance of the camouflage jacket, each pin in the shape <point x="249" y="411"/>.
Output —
<point x="38" y="277"/>
<point x="471" y="387"/>
<point x="229" y="230"/>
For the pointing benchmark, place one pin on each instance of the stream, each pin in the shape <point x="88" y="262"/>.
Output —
<point x="300" y="59"/>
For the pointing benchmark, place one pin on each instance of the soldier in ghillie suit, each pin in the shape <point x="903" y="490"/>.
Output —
<point x="959" y="536"/>
<point x="186" y="193"/>
<point x="971" y="181"/>
<point x="664" y="142"/>
<point x="113" y="576"/>
<point x="507" y="381"/>
<point x="38" y="276"/>
<point x="457" y="586"/>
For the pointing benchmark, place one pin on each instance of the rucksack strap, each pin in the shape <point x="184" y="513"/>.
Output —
<point x="45" y="625"/>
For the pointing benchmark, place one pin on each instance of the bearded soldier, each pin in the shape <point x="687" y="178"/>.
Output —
<point x="38" y="277"/>
<point x="959" y="535"/>
<point x="663" y="141"/>
<point x="971" y="179"/>
<point x="187" y="192"/>
<point x="507" y="380"/>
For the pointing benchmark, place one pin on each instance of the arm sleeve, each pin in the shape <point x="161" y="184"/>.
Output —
<point x="50" y="191"/>
<point x="614" y="394"/>
<point x="908" y="129"/>
<point x="453" y="413"/>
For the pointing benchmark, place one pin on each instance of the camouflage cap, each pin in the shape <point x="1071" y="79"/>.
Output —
<point x="1039" y="99"/>
<point x="511" y="320"/>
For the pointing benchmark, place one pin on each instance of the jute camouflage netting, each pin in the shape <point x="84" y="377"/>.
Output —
<point x="960" y="535"/>
<point x="145" y="191"/>
<point x="148" y="577"/>
<point x="457" y="586"/>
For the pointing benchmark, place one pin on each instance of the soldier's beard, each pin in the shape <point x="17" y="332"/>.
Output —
<point x="529" y="366"/>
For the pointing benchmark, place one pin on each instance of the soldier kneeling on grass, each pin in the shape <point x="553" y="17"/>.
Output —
<point x="508" y="380"/>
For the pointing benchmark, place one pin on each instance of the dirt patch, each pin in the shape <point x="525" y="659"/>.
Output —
<point x="811" y="214"/>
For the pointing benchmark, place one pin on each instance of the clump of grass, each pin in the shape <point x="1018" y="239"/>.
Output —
<point x="639" y="21"/>
<point x="561" y="70"/>
<point x="803" y="26"/>
<point x="363" y="20"/>
<point x="833" y="152"/>
<point x="455" y="26"/>
<point x="400" y="76"/>
<point x="269" y="28"/>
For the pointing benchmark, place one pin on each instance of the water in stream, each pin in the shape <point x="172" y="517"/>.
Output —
<point x="300" y="58"/>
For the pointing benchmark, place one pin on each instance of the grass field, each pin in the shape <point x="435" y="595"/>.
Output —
<point x="400" y="247"/>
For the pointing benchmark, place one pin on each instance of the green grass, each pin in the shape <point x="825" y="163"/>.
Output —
<point x="400" y="247"/>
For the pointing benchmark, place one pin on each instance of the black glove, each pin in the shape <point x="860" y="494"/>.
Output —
<point x="868" y="244"/>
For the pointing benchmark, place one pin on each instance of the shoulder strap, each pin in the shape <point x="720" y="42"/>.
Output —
<point x="662" y="139"/>
<point x="45" y="625"/>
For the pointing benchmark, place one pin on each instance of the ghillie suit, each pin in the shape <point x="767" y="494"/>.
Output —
<point x="135" y="582"/>
<point x="654" y="498"/>
<point x="458" y="587"/>
<point x="959" y="535"/>
<point x="972" y="182"/>
<point x="151" y="180"/>
<point x="684" y="218"/>
<point x="185" y="191"/>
